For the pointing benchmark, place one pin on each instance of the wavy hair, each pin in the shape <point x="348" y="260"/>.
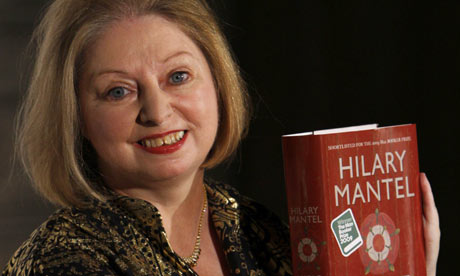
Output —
<point x="59" y="161"/>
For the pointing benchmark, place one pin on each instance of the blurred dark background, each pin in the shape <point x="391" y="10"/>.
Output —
<point x="309" y="65"/>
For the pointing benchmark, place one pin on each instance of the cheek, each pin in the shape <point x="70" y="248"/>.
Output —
<point x="205" y="108"/>
<point x="213" y="109"/>
<point x="107" y="125"/>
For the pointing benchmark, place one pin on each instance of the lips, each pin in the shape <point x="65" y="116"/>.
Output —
<point x="163" y="143"/>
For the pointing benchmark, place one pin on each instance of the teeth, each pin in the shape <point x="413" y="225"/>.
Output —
<point x="166" y="140"/>
<point x="158" y="142"/>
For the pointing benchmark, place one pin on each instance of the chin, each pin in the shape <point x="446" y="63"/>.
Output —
<point x="170" y="172"/>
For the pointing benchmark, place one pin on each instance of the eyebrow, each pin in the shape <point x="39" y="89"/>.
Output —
<point x="176" y="55"/>
<point x="116" y="71"/>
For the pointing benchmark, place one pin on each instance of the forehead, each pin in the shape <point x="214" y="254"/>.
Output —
<point x="150" y="38"/>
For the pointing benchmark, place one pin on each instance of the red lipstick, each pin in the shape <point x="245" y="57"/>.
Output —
<point x="164" y="149"/>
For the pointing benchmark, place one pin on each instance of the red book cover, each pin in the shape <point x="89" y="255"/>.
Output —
<point x="354" y="201"/>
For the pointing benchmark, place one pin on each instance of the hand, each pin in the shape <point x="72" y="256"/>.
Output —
<point x="430" y="226"/>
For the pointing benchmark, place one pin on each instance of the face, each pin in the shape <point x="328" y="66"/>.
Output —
<point x="148" y="102"/>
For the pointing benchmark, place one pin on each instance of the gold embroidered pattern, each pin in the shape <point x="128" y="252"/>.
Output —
<point x="125" y="236"/>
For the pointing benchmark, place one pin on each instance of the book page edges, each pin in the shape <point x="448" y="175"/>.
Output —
<point x="335" y="130"/>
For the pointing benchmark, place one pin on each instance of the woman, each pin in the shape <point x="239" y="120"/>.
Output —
<point x="130" y="101"/>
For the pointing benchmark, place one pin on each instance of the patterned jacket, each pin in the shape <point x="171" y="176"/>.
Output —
<point x="125" y="236"/>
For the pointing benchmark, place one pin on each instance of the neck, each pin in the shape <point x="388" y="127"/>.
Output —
<point x="173" y="198"/>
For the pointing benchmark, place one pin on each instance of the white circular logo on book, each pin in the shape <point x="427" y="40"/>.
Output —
<point x="378" y="243"/>
<point x="382" y="243"/>
<point x="307" y="250"/>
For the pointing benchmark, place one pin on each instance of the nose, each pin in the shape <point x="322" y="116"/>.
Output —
<point x="155" y="106"/>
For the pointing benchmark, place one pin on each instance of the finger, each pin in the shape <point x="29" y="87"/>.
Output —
<point x="431" y="226"/>
<point x="429" y="207"/>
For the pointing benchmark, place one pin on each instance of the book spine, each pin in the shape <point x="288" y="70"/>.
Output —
<point x="307" y="211"/>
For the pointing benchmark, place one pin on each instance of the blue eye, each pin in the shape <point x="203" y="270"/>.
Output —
<point x="178" y="77"/>
<point x="117" y="93"/>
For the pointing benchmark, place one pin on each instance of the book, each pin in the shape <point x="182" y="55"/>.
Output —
<point x="354" y="201"/>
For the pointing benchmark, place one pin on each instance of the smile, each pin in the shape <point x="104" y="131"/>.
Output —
<point x="169" y="139"/>
<point x="163" y="143"/>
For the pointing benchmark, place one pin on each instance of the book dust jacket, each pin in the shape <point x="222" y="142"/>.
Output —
<point x="354" y="201"/>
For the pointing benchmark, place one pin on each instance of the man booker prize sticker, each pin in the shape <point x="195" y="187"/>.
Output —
<point x="346" y="232"/>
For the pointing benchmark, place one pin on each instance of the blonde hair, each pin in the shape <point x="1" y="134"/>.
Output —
<point x="49" y="140"/>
